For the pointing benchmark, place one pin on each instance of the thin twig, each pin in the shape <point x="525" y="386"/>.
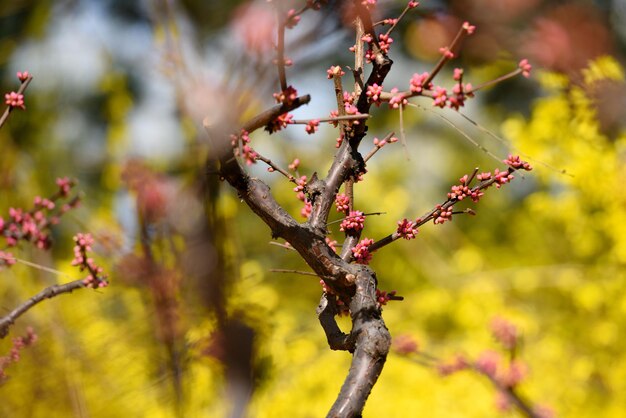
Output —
<point x="10" y="108"/>
<point x="49" y="292"/>
<point x="378" y="146"/>
<point x="334" y="119"/>
<point x="304" y="273"/>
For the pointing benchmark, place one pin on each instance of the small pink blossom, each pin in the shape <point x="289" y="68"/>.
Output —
<point x="287" y="96"/>
<point x="23" y="75"/>
<point x="312" y="126"/>
<point x="488" y="363"/>
<point x="513" y="375"/>
<point x="504" y="332"/>
<point x="483" y="176"/>
<point x="338" y="141"/>
<point x="384" y="42"/>
<point x="502" y="177"/>
<point x="361" y="253"/>
<point x="417" y="82"/>
<point x="382" y="297"/>
<point x="405" y="344"/>
<point x="353" y="222"/>
<point x="6" y="258"/>
<point x="458" y="74"/>
<point x="525" y="66"/>
<point x="280" y="122"/>
<point x="407" y="229"/>
<point x="292" y="19"/>
<point x="334" y="70"/>
<point x="469" y="28"/>
<point x="397" y="99"/>
<point x="373" y="92"/>
<point x="445" y="51"/>
<point x="413" y="4"/>
<point x="65" y="186"/>
<point x="342" y="202"/>
<point x="515" y="162"/>
<point x="440" y="97"/>
<point x="348" y="98"/>
<point x="295" y="164"/>
<point x="14" y="99"/>
<point x="300" y="184"/>
<point x="442" y="214"/>
<point x="306" y="210"/>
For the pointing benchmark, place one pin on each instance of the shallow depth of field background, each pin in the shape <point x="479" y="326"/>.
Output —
<point x="122" y="86"/>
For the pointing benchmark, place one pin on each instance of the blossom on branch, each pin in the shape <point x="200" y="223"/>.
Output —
<point x="23" y="75"/>
<point x="342" y="202"/>
<point x="14" y="99"/>
<point x="354" y="222"/>
<point x="312" y="126"/>
<point x="525" y="66"/>
<point x="361" y="253"/>
<point x="407" y="229"/>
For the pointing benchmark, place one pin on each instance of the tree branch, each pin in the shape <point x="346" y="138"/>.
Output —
<point x="372" y="346"/>
<point x="48" y="293"/>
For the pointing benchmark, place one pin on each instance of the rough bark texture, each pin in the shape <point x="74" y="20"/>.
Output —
<point x="369" y="340"/>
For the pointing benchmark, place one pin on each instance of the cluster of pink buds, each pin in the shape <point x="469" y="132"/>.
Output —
<point x="23" y="76"/>
<point x="95" y="279"/>
<point x="462" y="190"/>
<point x="373" y="93"/>
<point x="502" y="177"/>
<point x="292" y="19"/>
<point x="397" y="99"/>
<point x="287" y="96"/>
<point x="417" y="83"/>
<point x="19" y="344"/>
<point x="505" y="333"/>
<point x="6" y="259"/>
<point x="442" y="214"/>
<point x="515" y="162"/>
<point x="279" y="123"/>
<point x="312" y="126"/>
<point x="384" y="42"/>
<point x="299" y="189"/>
<point x="33" y="225"/>
<point x="407" y="229"/>
<point x="405" y="344"/>
<point x="294" y="165"/>
<point x="382" y="297"/>
<point x="504" y="374"/>
<point x="342" y="202"/>
<point x="14" y="99"/>
<point x="245" y="150"/>
<point x="525" y="66"/>
<point x="361" y="253"/>
<point x="353" y="222"/>
<point x="335" y="70"/>
<point x="378" y="143"/>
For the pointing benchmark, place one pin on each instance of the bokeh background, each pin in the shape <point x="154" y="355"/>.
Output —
<point x="196" y="324"/>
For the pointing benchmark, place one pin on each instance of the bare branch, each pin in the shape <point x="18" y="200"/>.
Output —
<point x="49" y="292"/>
